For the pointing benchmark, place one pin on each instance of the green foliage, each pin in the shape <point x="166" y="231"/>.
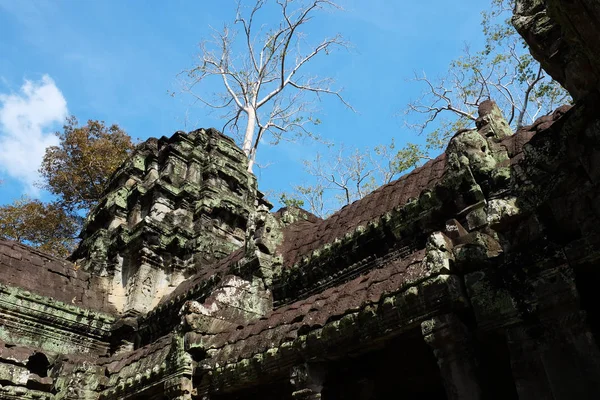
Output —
<point x="406" y="158"/>
<point x="78" y="169"/>
<point x="76" y="172"/>
<point x="291" y="200"/>
<point x="503" y="70"/>
<point x="310" y="197"/>
<point x="438" y="138"/>
<point x="45" y="226"/>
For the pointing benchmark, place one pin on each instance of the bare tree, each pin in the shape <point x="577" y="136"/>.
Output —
<point x="503" y="71"/>
<point x="311" y="197"/>
<point x="344" y="176"/>
<point x="346" y="173"/>
<point x="265" y="85"/>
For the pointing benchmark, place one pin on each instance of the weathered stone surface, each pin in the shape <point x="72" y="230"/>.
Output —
<point x="563" y="37"/>
<point x="178" y="205"/>
<point x="476" y="274"/>
<point x="452" y="249"/>
<point x="451" y="343"/>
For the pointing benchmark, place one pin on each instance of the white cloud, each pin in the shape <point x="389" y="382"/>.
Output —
<point x="28" y="120"/>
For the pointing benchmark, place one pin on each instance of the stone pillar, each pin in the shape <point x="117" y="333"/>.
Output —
<point x="449" y="338"/>
<point x="179" y="388"/>
<point x="307" y="382"/>
<point x="366" y="389"/>
<point x="124" y="331"/>
<point x="555" y="360"/>
<point x="527" y="368"/>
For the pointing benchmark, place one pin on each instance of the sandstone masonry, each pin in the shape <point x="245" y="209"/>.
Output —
<point x="472" y="277"/>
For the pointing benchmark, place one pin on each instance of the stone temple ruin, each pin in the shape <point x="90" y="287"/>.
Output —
<point x="472" y="277"/>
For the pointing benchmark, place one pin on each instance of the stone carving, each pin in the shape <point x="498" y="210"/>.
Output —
<point x="472" y="277"/>
<point x="177" y="204"/>
<point x="235" y="301"/>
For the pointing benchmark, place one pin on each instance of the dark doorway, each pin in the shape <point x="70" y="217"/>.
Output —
<point x="38" y="364"/>
<point x="404" y="368"/>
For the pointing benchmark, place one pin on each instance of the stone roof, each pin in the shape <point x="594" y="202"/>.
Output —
<point x="514" y="143"/>
<point x="485" y="254"/>
<point x="304" y="237"/>
<point x="218" y="268"/>
<point x="288" y="322"/>
<point x="27" y="268"/>
<point x="316" y="302"/>
<point x="310" y="233"/>
<point x="154" y="354"/>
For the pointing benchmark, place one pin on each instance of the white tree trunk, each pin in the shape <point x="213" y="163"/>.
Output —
<point x="251" y="160"/>
<point x="249" y="135"/>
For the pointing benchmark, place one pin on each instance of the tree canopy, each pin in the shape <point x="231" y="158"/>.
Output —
<point x="342" y="175"/>
<point x="78" y="169"/>
<point x="76" y="172"/>
<point x="45" y="226"/>
<point x="503" y="71"/>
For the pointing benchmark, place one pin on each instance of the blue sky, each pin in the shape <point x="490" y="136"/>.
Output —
<point x="116" y="61"/>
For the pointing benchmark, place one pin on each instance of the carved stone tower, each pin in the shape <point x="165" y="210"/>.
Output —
<point x="177" y="205"/>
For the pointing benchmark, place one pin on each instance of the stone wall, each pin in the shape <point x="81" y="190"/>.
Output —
<point x="472" y="277"/>
<point x="563" y="37"/>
